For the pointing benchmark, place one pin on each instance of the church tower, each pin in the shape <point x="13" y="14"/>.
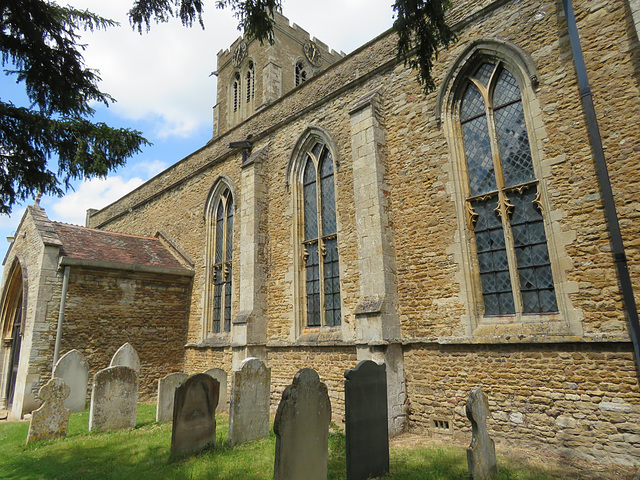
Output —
<point x="252" y="75"/>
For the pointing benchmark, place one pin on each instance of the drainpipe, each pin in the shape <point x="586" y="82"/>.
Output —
<point x="617" y="246"/>
<point x="63" y="302"/>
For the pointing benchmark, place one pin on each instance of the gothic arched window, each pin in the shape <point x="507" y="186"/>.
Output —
<point x="250" y="82"/>
<point x="503" y="199"/>
<point x="219" y="259"/>
<point x="319" y="238"/>
<point x="236" y="91"/>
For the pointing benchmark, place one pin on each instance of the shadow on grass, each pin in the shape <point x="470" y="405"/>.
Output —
<point x="144" y="453"/>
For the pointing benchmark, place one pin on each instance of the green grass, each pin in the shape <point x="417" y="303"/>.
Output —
<point x="143" y="453"/>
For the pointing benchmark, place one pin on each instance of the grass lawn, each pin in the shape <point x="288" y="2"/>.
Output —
<point x="143" y="453"/>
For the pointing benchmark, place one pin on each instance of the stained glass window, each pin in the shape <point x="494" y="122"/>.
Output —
<point x="320" y="243"/>
<point x="220" y="278"/>
<point x="503" y="200"/>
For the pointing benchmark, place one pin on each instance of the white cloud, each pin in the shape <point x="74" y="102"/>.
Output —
<point x="164" y="76"/>
<point x="94" y="193"/>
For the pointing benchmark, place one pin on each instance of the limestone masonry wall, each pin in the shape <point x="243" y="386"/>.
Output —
<point x="578" y="399"/>
<point x="564" y="381"/>
<point x="148" y="311"/>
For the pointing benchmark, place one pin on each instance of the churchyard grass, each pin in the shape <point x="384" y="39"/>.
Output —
<point x="143" y="453"/>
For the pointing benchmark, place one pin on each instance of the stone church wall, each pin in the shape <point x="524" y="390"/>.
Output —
<point x="146" y="310"/>
<point x="568" y="383"/>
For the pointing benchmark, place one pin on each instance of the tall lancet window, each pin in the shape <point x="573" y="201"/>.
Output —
<point x="220" y="273"/>
<point x="503" y="201"/>
<point x="250" y="82"/>
<point x="320" y="242"/>
<point x="236" y="92"/>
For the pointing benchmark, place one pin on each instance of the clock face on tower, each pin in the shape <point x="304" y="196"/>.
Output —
<point x="239" y="53"/>
<point x="312" y="53"/>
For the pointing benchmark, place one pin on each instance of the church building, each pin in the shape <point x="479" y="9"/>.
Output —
<point x="339" y="213"/>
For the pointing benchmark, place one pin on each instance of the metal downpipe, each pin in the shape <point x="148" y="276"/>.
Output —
<point x="617" y="245"/>
<point x="63" y="303"/>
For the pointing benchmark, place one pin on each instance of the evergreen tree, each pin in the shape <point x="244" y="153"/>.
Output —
<point x="419" y="24"/>
<point x="39" y="44"/>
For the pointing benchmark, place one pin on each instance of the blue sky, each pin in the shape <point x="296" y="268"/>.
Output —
<point x="163" y="87"/>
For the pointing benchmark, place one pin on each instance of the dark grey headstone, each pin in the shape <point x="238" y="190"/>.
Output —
<point x="302" y="429"/>
<point x="481" y="454"/>
<point x="194" y="422"/>
<point x="367" y="431"/>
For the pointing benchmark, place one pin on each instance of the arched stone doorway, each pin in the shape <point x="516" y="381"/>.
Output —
<point x="12" y="328"/>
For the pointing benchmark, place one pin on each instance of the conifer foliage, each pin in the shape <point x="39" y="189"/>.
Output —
<point x="39" y="45"/>
<point x="419" y="24"/>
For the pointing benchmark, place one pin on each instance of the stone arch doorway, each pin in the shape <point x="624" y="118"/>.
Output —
<point x="12" y="328"/>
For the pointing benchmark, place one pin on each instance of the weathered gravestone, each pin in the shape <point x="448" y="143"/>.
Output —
<point x="366" y="427"/>
<point x="50" y="421"/>
<point x="166" y="395"/>
<point x="73" y="369"/>
<point x="481" y="454"/>
<point x="126" y="356"/>
<point x="249" y="409"/>
<point x="194" y="422"/>
<point x="302" y="429"/>
<point x="221" y="376"/>
<point x="114" y="399"/>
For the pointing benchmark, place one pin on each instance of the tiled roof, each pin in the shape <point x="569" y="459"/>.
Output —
<point x="103" y="246"/>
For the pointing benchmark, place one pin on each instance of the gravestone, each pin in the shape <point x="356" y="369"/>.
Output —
<point x="166" y="395"/>
<point x="73" y="369"/>
<point x="126" y="356"/>
<point x="114" y="399"/>
<point x="302" y="429"/>
<point x="51" y="420"/>
<point x="249" y="408"/>
<point x="481" y="454"/>
<point x="194" y="422"/>
<point x="366" y="427"/>
<point x="221" y="376"/>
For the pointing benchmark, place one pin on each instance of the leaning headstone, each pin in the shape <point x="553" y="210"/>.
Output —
<point x="114" y="399"/>
<point x="166" y="394"/>
<point x="50" y="421"/>
<point x="126" y="356"/>
<point x="481" y="454"/>
<point x="249" y="409"/>
<point x="221" y="376"/>
<point x="194" y="422"/>
<point x="73" y="369"/>
<point x="366" y="427"/>
<point x="302" y="429"/>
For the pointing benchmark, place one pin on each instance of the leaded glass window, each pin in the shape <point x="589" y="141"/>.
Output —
<point x="320" y="243"/>
<point x="503" y="202"/>
<point x="222" y="253"/>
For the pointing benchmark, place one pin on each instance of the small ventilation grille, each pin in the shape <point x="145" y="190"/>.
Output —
<point x="442" y="425"/>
